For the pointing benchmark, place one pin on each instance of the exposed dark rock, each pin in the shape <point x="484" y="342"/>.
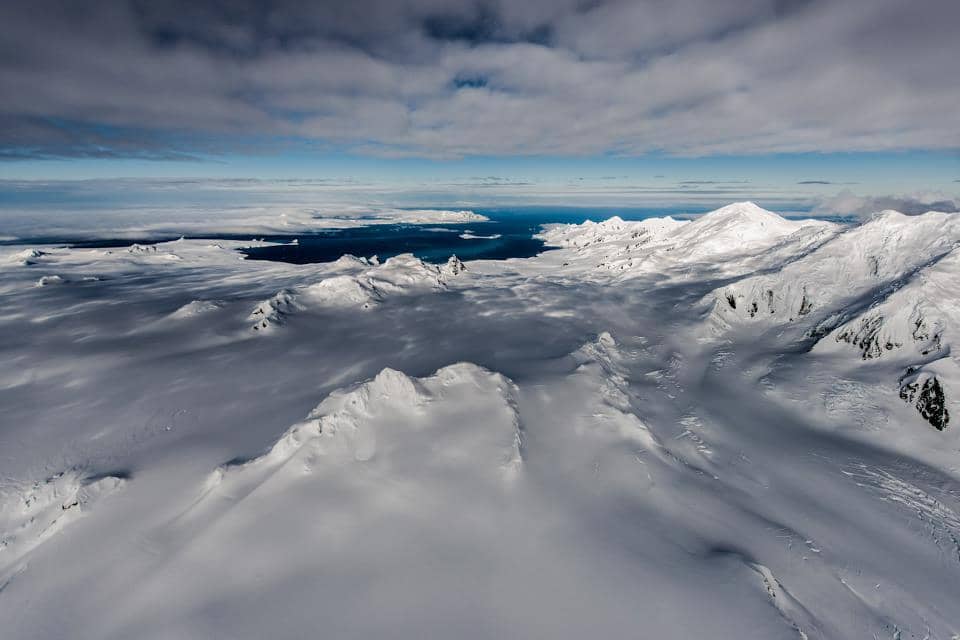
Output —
<point x="455" y="266"/>
<point x="928" y="398"/>
<point x="866" y="337"/>
<point x="921" y="333"/>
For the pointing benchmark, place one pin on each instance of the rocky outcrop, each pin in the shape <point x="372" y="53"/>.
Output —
<point x="926" y="394"/>
<point x="452" y="268"/>
<point x="866" y="336"/>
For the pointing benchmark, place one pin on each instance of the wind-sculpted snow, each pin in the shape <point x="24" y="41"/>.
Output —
<point x="32" y="513"/>
<point x="619" y="450"/>
<point x="195" y="308"/>
<point x="602" y="363"/>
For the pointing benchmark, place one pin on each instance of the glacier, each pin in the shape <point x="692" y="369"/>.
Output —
<point x="736" y="426"/>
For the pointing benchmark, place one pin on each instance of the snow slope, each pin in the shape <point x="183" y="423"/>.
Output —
<point x="32" y="513"/>
<point x="881" y="287"/>
<point x="915" y="326"/>
<point x="921" y="317"/>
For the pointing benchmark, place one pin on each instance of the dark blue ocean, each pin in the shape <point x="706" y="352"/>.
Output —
<point x="508" y="234"/>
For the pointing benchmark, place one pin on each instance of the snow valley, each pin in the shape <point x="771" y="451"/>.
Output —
<point x="735" y="426"/>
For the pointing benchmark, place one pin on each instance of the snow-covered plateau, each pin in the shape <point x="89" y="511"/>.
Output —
<point x="737" y="426"/>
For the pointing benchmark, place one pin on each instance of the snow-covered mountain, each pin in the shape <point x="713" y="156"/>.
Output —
<point x="731" y="240"/>
<point x="915" y="327"/>
<point x="368" y="283"/>
<point x="885" y="288"/>
<point x="752" y="414"/>
<point x="742" y="227"/>
<point x="864" y="261"/>
<point x="920" y="318"/>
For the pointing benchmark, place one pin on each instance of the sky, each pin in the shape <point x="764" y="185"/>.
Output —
<point x="805" y="98"/>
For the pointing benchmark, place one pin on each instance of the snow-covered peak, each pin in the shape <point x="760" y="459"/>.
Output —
<point x="453" y="267"/>
<point x="891" y="242"/>
<point x="745" y="211"/>
<point x="142" y="248"/>
<point x="460" y="420"/>
<point x="918" y="319"/>
<point x="404" y="271"/>
<point x="389" y="385"/>
<point x="401" y="274"/>
<point x="732" y="227"/>
<point x="270" y="312"/>
<point x="870" y="257"/>
<point x="888" y="214"/>
<point x="615" y="222"/>
<point x="26" y="257"/>
<point x="738" y="238"/>
<point x="611" y="230"/>
<point x="914" y="329"/>
<point x="350" y="261"/>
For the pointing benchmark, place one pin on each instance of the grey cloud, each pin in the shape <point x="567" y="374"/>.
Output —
<point x="849" y="204"/>
<point x="722" y="182"/>
<point x="814" y="182"/>
<point x="449" y="78"/>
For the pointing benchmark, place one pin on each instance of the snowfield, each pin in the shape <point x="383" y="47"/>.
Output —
<point x="738" y="426"/>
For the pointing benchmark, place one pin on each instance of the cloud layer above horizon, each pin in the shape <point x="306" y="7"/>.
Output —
<point x="454" y="78"/>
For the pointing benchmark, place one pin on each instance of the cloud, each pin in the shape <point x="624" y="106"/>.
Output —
<point x="847" y="203"/>
<point x="815" y="182"/>
<point x="451" y="78"/>
<point x="712" y="182"/>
